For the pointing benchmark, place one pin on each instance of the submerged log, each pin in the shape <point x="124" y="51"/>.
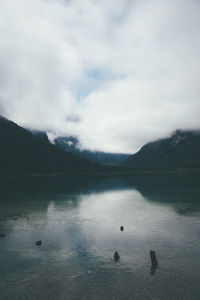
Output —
<point x="116" y="256"/>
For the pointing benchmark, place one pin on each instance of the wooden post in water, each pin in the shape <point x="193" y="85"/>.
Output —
<point x="154" y="262"/>
<point x="116" y="256"/>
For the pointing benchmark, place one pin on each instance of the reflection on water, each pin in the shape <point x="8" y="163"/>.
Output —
<point x="79" y="219"/>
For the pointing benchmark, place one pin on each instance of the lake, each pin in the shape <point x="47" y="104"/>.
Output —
<point x="78" y="220"/>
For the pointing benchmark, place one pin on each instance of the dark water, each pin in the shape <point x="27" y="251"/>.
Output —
<point x="78" y="220"/>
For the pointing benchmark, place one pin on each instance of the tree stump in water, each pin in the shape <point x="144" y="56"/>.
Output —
<point x="116" y="256"/>
<point x="38" y="243"/>
<point x="154" y="262"/>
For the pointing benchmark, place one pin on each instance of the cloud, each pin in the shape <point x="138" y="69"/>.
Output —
<point x="115" y="73"/>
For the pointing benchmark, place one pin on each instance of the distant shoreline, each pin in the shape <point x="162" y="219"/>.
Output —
<point x="103" y="173"/>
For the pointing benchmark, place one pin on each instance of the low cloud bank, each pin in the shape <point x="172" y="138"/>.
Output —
<point x="117" y="74"/>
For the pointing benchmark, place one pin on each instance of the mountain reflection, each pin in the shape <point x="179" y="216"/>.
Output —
<point x="78" y="220"/>
<point x="80" y="212"/>
<point x="165" y="189"/>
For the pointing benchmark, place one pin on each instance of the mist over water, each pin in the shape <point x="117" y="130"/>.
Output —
<point x="78" y="220"/>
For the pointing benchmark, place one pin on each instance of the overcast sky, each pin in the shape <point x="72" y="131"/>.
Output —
<point x="115" y="73"/>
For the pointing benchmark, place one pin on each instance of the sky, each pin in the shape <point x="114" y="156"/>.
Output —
<point x="115" y="73"/>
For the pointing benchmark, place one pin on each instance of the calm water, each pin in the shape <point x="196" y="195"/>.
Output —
<point x="78" y="220"/>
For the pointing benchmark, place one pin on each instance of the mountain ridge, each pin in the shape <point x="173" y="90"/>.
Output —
<point x="181" y="149"/>
<point x="29" y="152"/>
<point x="23" y="152"/>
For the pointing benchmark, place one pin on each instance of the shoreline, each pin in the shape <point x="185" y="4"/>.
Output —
<point x="102" y="173"/>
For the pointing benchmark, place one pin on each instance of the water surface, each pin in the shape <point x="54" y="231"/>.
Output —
<point x="78" y="220"/>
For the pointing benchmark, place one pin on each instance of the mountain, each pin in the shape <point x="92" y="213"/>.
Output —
<point x="41" y="135"/>
<point x="22" y="152"/>
<point x="25" y="152"/>
<point x="71" y="143"/>
<point x="182" y="149"/>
